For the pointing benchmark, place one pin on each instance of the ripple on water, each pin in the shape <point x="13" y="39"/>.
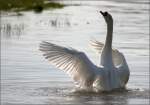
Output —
<point x="66" y="96"/>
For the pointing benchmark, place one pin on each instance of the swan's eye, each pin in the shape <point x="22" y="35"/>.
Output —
<point x="105" y="13"/>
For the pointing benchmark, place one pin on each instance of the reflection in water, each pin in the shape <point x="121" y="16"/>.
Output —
<point x="55" y="21"/>
<point x="114" y="98"/>
<point x="9" y="30"/>
<point x="100" y="98"/>
<point x="59" y="23"/>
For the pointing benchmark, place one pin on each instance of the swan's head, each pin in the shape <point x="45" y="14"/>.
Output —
<point x="108" y="18"/>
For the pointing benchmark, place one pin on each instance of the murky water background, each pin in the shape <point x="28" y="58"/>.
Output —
<point x="27" y="78"/>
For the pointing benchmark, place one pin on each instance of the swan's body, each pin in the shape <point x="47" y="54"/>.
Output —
<point x="112" y="73"/>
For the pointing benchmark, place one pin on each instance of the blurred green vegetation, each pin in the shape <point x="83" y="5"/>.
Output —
<point x="22" y="5"/>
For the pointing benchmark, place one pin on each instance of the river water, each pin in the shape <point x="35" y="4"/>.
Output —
<point x="27" y="78"/>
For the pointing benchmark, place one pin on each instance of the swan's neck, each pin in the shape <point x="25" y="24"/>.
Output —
<point x="106" y="57"/>
<point x="108" y="42"/>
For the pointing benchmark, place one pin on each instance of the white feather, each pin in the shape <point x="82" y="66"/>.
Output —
<point x="71" y="61"/>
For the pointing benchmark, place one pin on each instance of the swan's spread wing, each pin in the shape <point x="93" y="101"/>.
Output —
<point x="98" y="46"/>
<point x="71" y="61"/>
<point x="117" y="57"/>
<point x="123" y="71"/>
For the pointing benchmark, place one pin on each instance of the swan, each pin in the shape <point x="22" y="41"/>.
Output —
<point x="112" y="72"/>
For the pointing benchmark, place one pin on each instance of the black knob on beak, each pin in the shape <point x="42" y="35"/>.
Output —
<point x="104" y="13"/>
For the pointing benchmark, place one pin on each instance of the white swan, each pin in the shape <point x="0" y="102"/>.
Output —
<point x="113" y="72"/>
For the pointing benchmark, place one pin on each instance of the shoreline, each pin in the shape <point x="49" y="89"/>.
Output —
<point x="26" y="5"/>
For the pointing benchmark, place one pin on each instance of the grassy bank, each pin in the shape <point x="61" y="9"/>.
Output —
<point x="22" y="5"/>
